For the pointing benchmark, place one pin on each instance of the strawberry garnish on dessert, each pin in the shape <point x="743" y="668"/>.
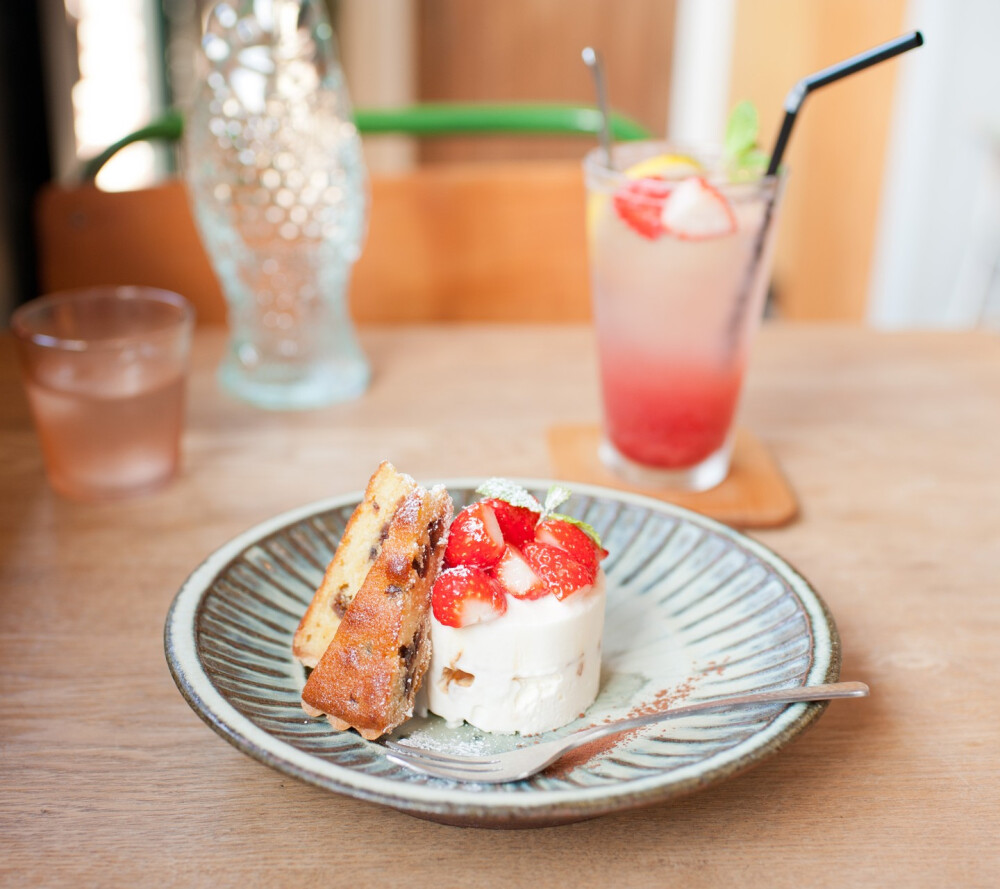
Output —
<point x="516" y="637"/>
<point x="560" y="572"/>
<point x="517" y="577"/>
<point x="527" y="569"/>
<point x="526" y="546"/>
<point x="696" y="211"/>
<point x="475" y="538"/>
<point x="517" y="523"/>
<point x="465" y="595"/>
<point x="576" y="542"/>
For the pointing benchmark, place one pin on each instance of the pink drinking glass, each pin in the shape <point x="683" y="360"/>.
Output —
<point x="105" y="370"/>
<point x="675" y="309"/>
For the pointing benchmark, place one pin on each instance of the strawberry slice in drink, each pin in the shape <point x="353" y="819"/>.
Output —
<point x="696" y="211"/>
<point x="464" y="595"/>
<point x="640" y="205"/>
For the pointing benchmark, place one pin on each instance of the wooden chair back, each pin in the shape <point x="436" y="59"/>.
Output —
<point x="484" y="242"/>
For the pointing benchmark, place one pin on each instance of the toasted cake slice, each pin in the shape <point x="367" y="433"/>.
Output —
<point x="371" y="671"/>
<point x="359" y="547"/>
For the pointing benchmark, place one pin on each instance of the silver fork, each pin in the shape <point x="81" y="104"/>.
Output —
<point x="512" y="765"/>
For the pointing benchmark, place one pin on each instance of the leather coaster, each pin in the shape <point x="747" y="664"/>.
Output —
<point x="754" y="495"/>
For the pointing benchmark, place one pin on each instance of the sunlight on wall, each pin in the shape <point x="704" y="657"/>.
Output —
<point x="115" y="93"/>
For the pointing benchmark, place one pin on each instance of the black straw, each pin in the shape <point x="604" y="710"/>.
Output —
<point x="797" y="94"/>
<point x="793" y="102"/>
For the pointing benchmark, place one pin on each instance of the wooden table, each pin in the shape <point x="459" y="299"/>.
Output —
<point x="893" y="445"/>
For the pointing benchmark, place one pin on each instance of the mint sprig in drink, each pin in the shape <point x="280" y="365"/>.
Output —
<point x="677" y="239"/>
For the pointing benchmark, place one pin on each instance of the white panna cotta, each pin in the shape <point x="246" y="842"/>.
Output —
<point x="533" y="669"/>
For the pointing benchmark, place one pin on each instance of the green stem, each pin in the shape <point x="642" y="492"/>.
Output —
<point x="425" y="120"/>
<point x="451" y="119"/>
<point x="168" y="128"/>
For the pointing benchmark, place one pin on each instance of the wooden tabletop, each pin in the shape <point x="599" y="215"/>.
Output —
<point x="892" y="443"/>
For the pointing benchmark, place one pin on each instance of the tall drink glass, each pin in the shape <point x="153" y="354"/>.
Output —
<point x="104" y="370"/>
<point x="679" y="261"/>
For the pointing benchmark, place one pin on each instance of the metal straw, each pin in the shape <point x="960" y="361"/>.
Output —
<point x="592" y="60"/>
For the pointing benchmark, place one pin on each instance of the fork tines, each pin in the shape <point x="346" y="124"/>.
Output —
<point x="422" y="753"/>
<point x="443" y="765"/>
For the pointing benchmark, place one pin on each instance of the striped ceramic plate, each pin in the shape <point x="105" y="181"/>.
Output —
<point x="694" y="610"/>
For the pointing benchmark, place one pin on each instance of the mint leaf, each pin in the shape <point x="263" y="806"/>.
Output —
<point x="589" y="530"/>
<point x="750" y="166"/>
<point x="515" y="495"/>
<point x="744" y="160"/>
<point x="741" y="130"/>
<point x="755" y="159"/>
<point x="555" y="498"/>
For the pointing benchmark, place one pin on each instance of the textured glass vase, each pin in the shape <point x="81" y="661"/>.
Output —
<point x="276" y="176"/>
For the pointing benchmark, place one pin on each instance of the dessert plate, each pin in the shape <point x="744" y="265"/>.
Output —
<point x="694" y="610"/>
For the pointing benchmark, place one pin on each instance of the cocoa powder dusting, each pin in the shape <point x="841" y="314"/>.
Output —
<point x="583" y="754"/>
<point x="661" y="701"/>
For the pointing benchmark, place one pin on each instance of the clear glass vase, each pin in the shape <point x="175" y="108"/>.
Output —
<point x="277" y="180"/>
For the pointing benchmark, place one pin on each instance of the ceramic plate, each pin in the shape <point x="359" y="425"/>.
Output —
<point x="694" y="610"/>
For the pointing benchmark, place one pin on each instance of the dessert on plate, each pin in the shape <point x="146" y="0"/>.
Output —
<point x="376" y="598"/>
<point x="509" y="632"/>
<point x="518" y="615"/>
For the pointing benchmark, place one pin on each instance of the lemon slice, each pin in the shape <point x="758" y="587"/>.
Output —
<point x="596" y="202"/>
<point x="666" y="166"/>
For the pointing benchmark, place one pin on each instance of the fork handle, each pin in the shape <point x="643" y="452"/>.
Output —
<point x="782" y="696"/>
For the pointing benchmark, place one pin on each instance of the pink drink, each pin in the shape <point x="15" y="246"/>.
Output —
<point x="109" y="442"/>
<point x="104" y="371"/>
<point x="675" y="309"/>
<point x="667" y="415"/>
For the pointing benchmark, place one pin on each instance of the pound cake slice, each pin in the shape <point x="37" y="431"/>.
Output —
<point x="359" y="547"/>
<point x="370" y="673"/>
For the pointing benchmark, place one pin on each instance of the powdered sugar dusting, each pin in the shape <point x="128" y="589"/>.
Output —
<point x="409" y="509"/>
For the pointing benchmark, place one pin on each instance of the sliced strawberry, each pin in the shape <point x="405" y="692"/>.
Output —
<point x="573" y="540"/>
<point x="516" y="522"/>
<point x="475" y="538"/>
<point x="562" y="574"/>
<point x="695" y="211"/>
<point x="515" y="575"/>
<point x="464" y="596"/>
<point x="640" y="204"/>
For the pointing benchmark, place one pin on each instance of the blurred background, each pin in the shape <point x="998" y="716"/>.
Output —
<point x="892" y="215"/>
